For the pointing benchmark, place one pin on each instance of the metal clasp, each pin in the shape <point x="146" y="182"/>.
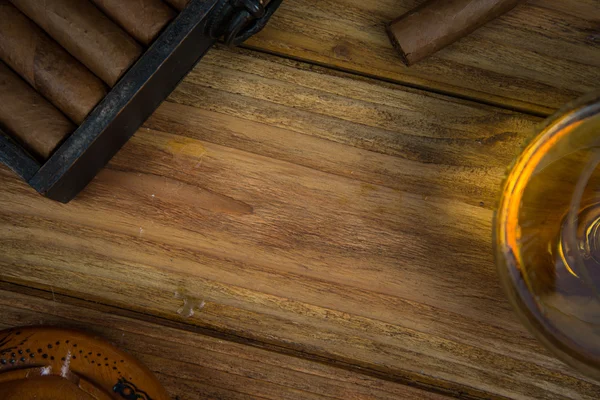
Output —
<point x="238" y="20"/>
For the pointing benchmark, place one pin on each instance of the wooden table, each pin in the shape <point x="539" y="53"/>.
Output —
<point x="324" y="211"/>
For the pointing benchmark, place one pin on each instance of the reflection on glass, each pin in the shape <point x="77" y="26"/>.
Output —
<point x="548" y="235"/>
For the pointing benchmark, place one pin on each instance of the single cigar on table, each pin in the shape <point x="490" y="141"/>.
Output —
<point x="87" y="33"/>
<point x="142" y="19"/>
<point x="178" y="4"/>
<point x="46" y="66"/>
<point x="28" y="117"/>
<point x="436" y="24"/>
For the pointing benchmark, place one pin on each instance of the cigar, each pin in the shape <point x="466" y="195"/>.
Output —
<point x="85" y="32"/>
<point x="28" y="117"/>
<point x="46" y="66"/>
<point x="438" y="23"/>
<point x="178" y="4"/>
<point x="142" y="19"/>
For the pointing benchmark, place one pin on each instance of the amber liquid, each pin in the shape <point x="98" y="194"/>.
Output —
<point x="560" y="242"/>
<point x="551" y="235"/>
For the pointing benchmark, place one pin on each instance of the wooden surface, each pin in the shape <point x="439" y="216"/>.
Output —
<point x="316" y="212"/>
<point x="539" y="56"/>
<point x="192" y="365"/>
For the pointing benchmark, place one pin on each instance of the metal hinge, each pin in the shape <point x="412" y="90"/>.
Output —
<point x="238" y="20"/>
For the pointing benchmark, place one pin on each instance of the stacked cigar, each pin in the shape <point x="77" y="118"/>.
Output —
<point x="59" y="58"/>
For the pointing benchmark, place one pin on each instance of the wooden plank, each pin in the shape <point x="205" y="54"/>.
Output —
<point x="329" y="214"/>
<point x="538" y="57"/>
<point x="194" y="366"/>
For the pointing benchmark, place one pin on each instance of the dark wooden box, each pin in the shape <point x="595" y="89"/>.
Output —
<point x="131" y="101"/>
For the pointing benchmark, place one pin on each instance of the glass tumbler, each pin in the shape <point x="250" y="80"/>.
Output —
<point x="547" y="235"/>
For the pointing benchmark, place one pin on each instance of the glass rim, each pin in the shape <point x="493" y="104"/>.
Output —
<point x="512" y="278"/>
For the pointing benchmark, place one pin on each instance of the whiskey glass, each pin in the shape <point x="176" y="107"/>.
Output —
<point x="547" y="235"/>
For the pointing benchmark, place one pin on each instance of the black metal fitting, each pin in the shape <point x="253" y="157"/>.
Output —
<point x="237" y="20"/>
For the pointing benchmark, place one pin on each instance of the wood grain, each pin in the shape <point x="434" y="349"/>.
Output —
<point x="315" y="211"/>
<point x="536" y="58"/>
<point x="194" y="366"/>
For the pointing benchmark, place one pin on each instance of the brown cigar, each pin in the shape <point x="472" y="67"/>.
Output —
<point x="30" y="118"/>
<point x="142" y="19"/>
<point x="178" y="4"/>
<point x="438" y="23"/>
<point x="86" y="33"/>
<point x="46" y="66"/>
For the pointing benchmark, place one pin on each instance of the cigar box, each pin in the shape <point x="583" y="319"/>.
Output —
<point x="134" y="97"/>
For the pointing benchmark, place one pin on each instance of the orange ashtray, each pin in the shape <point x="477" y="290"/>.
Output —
<point x="53" y="363"/>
